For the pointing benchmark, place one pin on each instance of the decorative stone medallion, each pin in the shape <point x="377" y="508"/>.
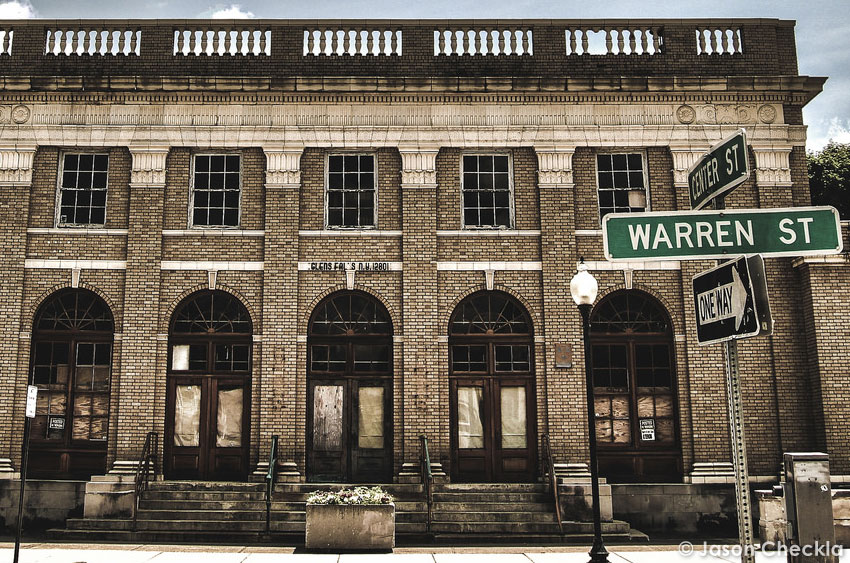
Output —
<point x="686" y="114"/>
<point x="20" y="114"/>
<point x="767" y="114"/>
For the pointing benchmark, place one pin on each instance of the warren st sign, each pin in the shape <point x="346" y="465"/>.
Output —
<point x="687" y="235"/>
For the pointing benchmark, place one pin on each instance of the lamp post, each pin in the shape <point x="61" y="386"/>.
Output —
<point x="583" y="288"/>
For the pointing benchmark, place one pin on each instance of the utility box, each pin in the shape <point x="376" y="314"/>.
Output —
<point x="808" y="506"/>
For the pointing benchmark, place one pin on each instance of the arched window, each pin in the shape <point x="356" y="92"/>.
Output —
<point x="491" y="367"/>
<point x="634" y="387"/>
<point x="71" y="364"/>
<point x="350" y="389"/>
<point x="209" y="380"/>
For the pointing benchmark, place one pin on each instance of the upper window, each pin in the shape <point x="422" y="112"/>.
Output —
<point x="622" y="183"/>
<point x="486" y="191"/>
<point x="351" y="190"/>
<point x="216" y="189"/>
<point x="82" y="189"/>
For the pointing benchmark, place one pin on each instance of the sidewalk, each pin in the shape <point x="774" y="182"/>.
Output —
<point x="135" y="553"/>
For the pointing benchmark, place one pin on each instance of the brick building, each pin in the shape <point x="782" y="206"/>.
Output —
<point x="355" y="234"/>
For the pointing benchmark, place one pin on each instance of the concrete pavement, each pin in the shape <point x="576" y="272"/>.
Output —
<point x="136" y="553"/>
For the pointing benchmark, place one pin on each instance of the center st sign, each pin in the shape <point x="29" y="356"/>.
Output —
<point x="688" y="235"/>
<point x="724" y="167"/>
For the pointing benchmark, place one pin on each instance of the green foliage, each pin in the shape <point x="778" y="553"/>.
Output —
<point x="829" y="177"/>
<point x="357" y="495"/>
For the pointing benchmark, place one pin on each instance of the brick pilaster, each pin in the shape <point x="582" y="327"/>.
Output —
<point x="565" y="387"/>
<point x="15" y="182"/>
<point x="141" y="390"/>
<point x="424" y="412"/>
<point x="280" y="389"/>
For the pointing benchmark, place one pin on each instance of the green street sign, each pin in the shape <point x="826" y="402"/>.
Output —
<point x="724" y="167"/>
<point x="688" y="235"/>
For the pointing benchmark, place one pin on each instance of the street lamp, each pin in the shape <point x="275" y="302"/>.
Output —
<point x="583" y="288"/>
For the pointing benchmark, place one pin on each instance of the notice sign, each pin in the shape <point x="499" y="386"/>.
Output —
<point x="647" y="429"/>
<point x="56" y="423"/>
<point x="32" y="399"/>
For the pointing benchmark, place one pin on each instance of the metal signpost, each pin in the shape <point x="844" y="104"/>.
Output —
<point x="688" y="235"/>
<point x="32" y="399"/>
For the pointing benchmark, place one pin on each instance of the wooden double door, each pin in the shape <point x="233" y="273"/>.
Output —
<point x="207" y="429"/>
<point x="493" y="429"/>
<point x="349" y="430"/>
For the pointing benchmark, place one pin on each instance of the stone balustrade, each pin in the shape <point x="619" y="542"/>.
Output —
<point x="614" y="40"/>
<point x="719" y="40"/>
<point x="490" y="40"/>
<point x="492" y="48"/>
<point x="95" y="40"/>
<point x="222" y="41"/>
<point x="352" y="41"/>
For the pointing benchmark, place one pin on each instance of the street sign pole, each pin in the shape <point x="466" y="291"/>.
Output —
<point x="32" y="396"/>
<point x="739" y="445"/>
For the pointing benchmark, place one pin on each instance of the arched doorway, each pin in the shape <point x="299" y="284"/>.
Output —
<point x="208" y="400"/>
<point x="350" y="390"/>
<point x="492" y="390"/>
<point x="634" y="386"/>
<point x="71" y="363"/>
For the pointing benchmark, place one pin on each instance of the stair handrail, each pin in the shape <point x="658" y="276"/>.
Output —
<point x="553" y="480"/>
<point x="427" y="480"/>
<point x="271" y="477"/>
<point x="147" y="462"/>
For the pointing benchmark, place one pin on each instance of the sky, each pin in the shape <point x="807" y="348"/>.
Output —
<point x="823" y="27"/>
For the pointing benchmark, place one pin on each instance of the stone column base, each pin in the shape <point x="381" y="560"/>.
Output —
<point x="573" y="473"/>
<point x="7" y="470"/>
<point x="287" y="472"/>
<point x="409" y="473"/>
<point x="712" y="472"/>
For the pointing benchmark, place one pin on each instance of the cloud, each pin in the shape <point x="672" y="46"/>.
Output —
<point x="826" y="130"/>
<point x="16" y="10"/>
<point x="233" y="12"/>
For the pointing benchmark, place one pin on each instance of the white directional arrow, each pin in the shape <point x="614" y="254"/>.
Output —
<point x="723" y="302"/>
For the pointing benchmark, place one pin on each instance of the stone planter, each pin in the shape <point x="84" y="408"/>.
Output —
<point x="360" y="526"/>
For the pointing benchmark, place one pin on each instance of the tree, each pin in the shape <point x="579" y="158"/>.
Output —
<point x="829" y="177"/>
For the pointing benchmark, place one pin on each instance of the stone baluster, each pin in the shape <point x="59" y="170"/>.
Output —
<point x="736" y="44"/>
<point x="323" y="41"/>
<point x="526" y="42"/>
<point x="713" y="40"/>
<point x="724" y="41"/>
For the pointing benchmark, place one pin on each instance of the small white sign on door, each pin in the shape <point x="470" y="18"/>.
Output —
<point x="647" y="429"/>
<point x="32" y="398"/>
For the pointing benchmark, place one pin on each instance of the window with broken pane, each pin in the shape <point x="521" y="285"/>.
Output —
<point x="216" y="189"/>
<point x="621" y="183"/>
<point x="351" y="183"/>
<point x="486" y="191"/>
<point x="82" y="189"/>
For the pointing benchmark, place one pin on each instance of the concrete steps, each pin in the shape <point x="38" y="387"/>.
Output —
<point x="187" y="511"/>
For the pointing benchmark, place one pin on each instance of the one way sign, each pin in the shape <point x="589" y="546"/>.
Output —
<point x="730" y="301"/>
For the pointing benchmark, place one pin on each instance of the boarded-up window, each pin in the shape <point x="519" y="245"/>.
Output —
<point x="470" y="430"/>
<point x="187" y="410"/>
<point x="513" y="417"/>
<point x="327" y="417"/>
<point x="229" y="418"/>
<point x="370" y="431"/>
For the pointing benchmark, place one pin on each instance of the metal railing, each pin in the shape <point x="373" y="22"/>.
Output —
<point x="271" y="477"/>
<point x="147" y="462"/>
<point x="427" y="481"/>
<point x="553" y="479"/>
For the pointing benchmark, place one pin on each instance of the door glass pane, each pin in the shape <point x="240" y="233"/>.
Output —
<point x="229" y="418"/>
<point x="470" y="430"/>
<point x="327" y="417"/>
<point x="513" y="417"/>
<point x="187" y="415"/>
<point x="370" y="426"/>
